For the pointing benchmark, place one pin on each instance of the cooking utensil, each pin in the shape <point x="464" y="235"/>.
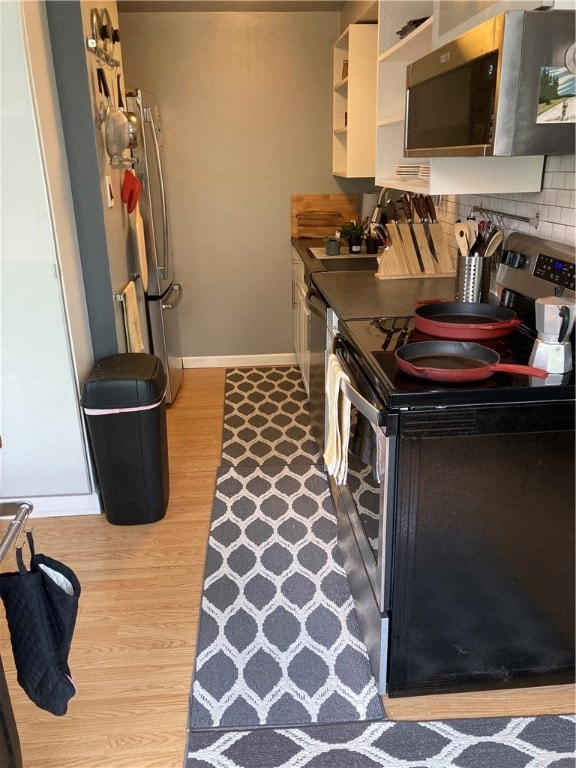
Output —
<point x="493" y="240"/>
<point x="461" y="234"/>
<point x="473" y="229"/>
<point x="118" y="132"/>
<point x="456" y="361"/>
<point x="464" y="320"/>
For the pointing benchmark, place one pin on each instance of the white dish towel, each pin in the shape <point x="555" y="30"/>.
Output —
<point x="338" y="404"/>
<point x="132" y="319"/>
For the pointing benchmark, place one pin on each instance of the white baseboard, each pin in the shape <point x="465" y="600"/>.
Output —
<point x="238" y="361"/>
<point x="60" y="506"/>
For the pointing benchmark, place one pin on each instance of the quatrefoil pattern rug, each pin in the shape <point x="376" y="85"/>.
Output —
<point x="520" y="742"/>
<point x="279" y="641"/>
<point x="266" y="418"/>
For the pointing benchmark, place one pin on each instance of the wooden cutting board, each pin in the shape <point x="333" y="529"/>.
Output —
<point x="321" y="215"/>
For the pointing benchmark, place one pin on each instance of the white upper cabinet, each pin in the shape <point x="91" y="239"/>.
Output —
<point x="437" y="175"/>
<point x="452" y="19"/>
<point x="354" y="102"/>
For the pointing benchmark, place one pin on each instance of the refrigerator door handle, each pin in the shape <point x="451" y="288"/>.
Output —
<point x="176" y="292"/>
<point x="162" y="268"/>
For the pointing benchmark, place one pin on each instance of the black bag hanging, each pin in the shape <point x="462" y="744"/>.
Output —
<point x="41" y="608"/>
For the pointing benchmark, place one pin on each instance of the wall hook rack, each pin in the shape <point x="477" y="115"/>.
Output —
<point x="499" y="216"/>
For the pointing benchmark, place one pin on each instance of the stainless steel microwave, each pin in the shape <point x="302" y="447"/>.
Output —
<point x="504" y="88"/>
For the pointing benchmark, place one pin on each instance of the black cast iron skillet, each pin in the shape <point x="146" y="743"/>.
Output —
<point x="464" y="320"/>
<point x="456" y="361"/>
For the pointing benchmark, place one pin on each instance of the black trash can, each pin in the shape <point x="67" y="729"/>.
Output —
<point x="125" y="407"/>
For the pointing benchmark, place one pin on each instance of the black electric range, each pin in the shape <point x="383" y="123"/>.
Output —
<point x="456" y="517"/>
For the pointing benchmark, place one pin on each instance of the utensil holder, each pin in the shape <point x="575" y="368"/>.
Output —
<point x="473" y="278"/>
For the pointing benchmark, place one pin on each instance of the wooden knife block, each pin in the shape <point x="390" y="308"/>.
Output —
<point x="408" y="243"/>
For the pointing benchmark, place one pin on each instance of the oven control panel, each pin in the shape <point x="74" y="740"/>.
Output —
<point x="535" y="268"/>
<point x="556" y="271"/>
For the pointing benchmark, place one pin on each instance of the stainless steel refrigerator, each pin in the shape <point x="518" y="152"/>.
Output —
<point x="163" y="293"/>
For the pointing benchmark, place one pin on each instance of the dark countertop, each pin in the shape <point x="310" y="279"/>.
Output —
<point x="354" y="293"/>
<point x="343" y="263"/>
<point x="357" y="295"/>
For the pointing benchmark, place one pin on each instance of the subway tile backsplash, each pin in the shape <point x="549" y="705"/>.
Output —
<point x="551" y="213"/>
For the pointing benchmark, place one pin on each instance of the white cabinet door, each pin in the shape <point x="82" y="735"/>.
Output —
<point x="354" y="102"/>
<point x="43" y="451"/>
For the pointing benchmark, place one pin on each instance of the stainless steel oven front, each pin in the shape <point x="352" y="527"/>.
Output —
<point x="362" y="504"/>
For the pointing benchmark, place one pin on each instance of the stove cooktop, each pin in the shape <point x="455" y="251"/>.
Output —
<point x="376" y="339"/>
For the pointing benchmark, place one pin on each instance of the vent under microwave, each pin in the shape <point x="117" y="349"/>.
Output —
<point x="505" y="88"/>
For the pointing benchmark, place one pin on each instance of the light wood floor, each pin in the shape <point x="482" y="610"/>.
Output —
<point x="133" y="649"/>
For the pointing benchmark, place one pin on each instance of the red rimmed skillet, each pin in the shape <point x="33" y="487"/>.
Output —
<point x="464" y="320"/>
<point x="456" y="362"/>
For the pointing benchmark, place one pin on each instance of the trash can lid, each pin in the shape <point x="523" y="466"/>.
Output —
<point x="126" y="380"/>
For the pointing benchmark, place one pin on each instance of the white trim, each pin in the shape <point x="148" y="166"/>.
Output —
<point x="239" y="361"/>
<point x="62" y="506"/>
<point x="108" y="411"/>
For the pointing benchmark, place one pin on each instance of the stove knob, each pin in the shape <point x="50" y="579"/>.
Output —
<point x="516" y="260"/>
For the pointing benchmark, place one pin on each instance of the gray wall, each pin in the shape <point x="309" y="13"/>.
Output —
<point x="246" y="103"/>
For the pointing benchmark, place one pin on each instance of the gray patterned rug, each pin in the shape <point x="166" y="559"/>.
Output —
<point x="279" y="642"/>
<point x="521" y="742"/>
<point x="266" y="419"/>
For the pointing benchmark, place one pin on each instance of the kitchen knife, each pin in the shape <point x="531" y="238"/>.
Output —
<point x="438" y="236"/>
<point x="422" y="211"/>
<point x="406" y="204"/>
<point x="412" y="258"/>
<point x="423" y="237"/>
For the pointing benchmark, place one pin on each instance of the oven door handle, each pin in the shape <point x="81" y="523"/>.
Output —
<point x="316" y="303"/>
<point x="360" y="402"/>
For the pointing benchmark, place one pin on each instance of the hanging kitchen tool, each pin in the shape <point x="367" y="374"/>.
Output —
<point x="456" y="362"/>
<point x="104" y="102"/>
<point x="463" y="320"/>
<point x="106" y="32"/>
<point x="492" y="242"/>
<point x="130" y="116"/>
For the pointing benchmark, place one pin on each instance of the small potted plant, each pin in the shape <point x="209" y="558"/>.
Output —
<point x="332" y="244"/>
<point x="352" y="232"/>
